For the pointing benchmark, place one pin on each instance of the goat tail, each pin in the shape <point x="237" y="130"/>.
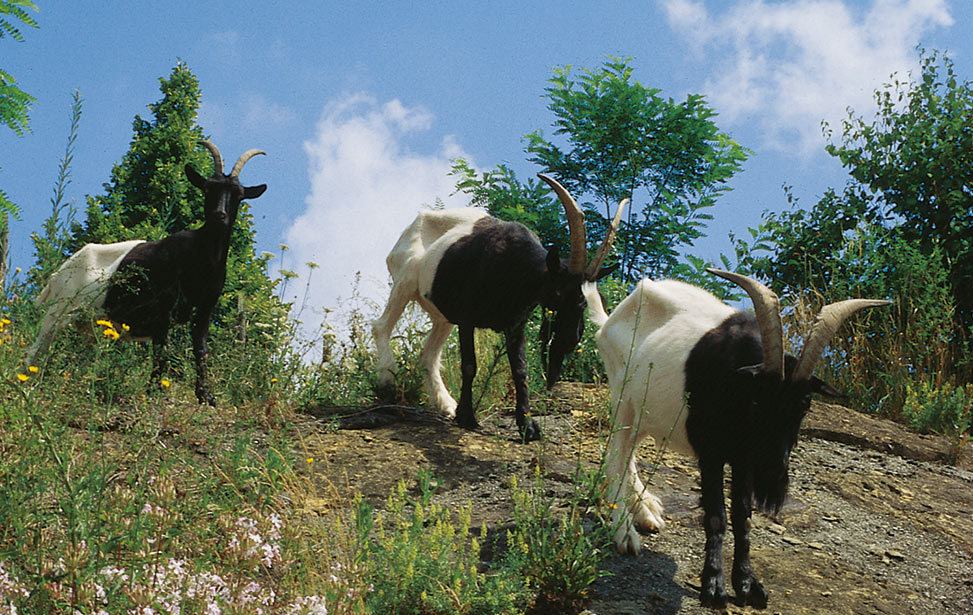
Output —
<point x="596" y="304"/>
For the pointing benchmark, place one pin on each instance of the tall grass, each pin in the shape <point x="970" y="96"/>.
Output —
<point x="904" y="356"/>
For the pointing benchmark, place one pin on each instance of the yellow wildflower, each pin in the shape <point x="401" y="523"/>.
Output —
<point x="310" y="460"/>
<point x="125" y="327"/>
<point x="23" y="377"/>
<point x="273" y="380"/>
<point x="33" y="369"/>
<point x="111" y="334"/>
<point x="105" y="323"/>
<point x="165" y="383"/>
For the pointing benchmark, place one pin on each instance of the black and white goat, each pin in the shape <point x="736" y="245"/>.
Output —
<point x="466" y="268"/>
<point x="148" y="285"/>
<point x="708" y="380"/>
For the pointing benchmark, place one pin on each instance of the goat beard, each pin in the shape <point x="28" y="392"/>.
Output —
<point x="770" y="491"/>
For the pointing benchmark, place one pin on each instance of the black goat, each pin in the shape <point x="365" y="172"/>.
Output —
<point x="148" y="285"/>
<point x="468" y="269"/>
<point x="707" y="380"/>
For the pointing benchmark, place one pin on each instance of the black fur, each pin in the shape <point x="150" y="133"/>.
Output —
<point x="741" y="416"/>
<point x="179" y="278"/>
<point x="493" y="278"/>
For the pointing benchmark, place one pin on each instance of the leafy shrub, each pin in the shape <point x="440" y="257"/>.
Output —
<point x="944" y="409"/>
<point x="419" y="559"/>
<point x="556" y="550"/>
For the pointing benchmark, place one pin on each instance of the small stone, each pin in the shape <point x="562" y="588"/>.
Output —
<point x="777" y="528"/>
<point x="896" y="555"/>
<point x="791" y="540"/>
<point x="815" y="545"/>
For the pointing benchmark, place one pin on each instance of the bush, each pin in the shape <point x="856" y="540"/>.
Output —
<point x="557" y="551"/>
<point x="944" y="409"/>
<point x="420" y="560"/>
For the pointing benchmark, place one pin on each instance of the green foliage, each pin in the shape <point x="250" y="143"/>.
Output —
<point x="16" y="9"/>
<point x="555" y="549"/>
<point x="916" y="158"/>
<point x="14" y="102"/>
<point x="148" y="195"/>
<point x="117" y="505"/>
<point x="624" y="140"/>
<point x="891" y="232"/>
<point x="419" y="560"/>
<point x="944" y="409"/>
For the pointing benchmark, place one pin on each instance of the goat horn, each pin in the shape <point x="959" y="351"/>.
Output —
<point x="825" y="326"/>
<point x="595" y="265"/>
<point x="217" y="159"/>
<point x="247" y="155"/>
<point x="767" y="308"/>
<point x="579" y="249"/>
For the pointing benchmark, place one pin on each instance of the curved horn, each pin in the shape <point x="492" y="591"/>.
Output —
<point x="217" y="159"/>
<point x="247" y="155"/>
<point x="595" y="265"/>
<point x="579" y="249"/>
<point x="767" y="308"/>
<point x="825" y="326"/>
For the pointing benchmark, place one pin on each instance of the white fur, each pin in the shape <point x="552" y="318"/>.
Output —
<point x="412" y="264"/>
<point x="644" y="344"/>
<point x="80" y="283"/>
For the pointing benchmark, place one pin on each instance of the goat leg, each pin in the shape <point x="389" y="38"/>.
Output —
<point x="713" y="588"/>
<point x="465" y="417"/>
<point x="516" y="354"/>
<point x="748" y="589"/>
<point x="200" y="333"/>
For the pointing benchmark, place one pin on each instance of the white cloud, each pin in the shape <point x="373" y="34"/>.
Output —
<point x="785" y="66"/>
<point x="366" y="186"/>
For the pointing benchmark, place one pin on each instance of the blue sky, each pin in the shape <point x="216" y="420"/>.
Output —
<point x="361" y="105"/>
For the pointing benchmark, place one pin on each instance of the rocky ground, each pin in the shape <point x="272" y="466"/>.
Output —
<point x="879" y="520"/>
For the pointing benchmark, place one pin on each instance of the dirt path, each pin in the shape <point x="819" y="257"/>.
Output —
<point x="878" y="520"/>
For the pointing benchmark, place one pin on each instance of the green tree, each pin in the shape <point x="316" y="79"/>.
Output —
<point x="916" y="162"/>
<point x="623" y="140"/>
<point x="14" y="102"/>
<point x="898" y="229"/>
<point x="149" y="197"/>
<point x="911" y="174"/>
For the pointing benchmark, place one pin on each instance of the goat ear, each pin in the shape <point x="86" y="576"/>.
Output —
<point x="823" y="388"/>
<point x="252" y="192"/>
<point x="605" y="272"/>
<point x="553" y="261"/>
<point x="195" y="178"/>
<point x="750" y="370"/>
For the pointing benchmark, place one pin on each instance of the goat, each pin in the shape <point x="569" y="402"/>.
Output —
<point x="708" y="380"/>
<point x="466" y="268"/>
<point x="148" y="285"/>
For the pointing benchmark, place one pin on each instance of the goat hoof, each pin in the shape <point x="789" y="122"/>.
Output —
<point x="751" y="593"/>
<point x="530" y="432"/>
<point x="713" y="593"/>
<point x="466" y="422"/>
